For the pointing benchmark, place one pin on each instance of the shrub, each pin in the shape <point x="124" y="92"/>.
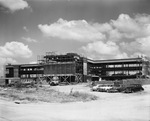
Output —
<point x="83" y="96"/>
<point x="45" y="94"/>
<point x="18" y="85"/>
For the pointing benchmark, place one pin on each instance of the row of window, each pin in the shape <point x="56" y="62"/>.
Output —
<point x="110" y="73"/>
<point x="32" y="69"/>
<point x="26" y="80"/>
<point x="31" y="75"/>
<point x="119" y="65"/>
<point x="124" y="65"/>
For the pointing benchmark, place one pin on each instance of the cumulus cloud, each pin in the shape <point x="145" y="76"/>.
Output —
<point x="28" y="39"/>
<point x="126" y="24"/>
<point x="129" y="37"/>
<point x="131" y="27"/>
<point x="14" y="5"/>
<point x="140" y="46"/>
<point x="142" y="18"/>
<point x="5" y="61"/>
<point x="103" y="50"/>
<point x="11" y="51"/>
<point x="73" y="30"/>
<point x="15" y="49"/>
<point x="100" y="47"/>
<point x="121" y="38"/>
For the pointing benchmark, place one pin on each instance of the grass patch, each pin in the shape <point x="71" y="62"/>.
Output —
<point x="44" y="94"/>
<point x="83" y="96"/>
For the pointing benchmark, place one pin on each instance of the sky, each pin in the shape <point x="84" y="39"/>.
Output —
<point x="97" y="29"/>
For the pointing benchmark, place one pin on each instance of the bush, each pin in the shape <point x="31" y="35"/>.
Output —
<point x="18" y="85"/>
<point x="83" y="96"/>
<point x="44" y="94"/>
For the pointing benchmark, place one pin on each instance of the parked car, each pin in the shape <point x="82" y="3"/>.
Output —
<point x="112" y="90"/>
<point x="54" y="83"/>
<point x="95" y="88"/>
<point x="105" y="88"/>
<point x="133" y="88"/>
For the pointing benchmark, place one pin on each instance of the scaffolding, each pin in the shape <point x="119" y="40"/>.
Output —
<point x="71" y="67"/>
<point x="66" y="67"/>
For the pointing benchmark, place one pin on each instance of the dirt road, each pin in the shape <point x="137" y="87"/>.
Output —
<point x="109" y="107"/>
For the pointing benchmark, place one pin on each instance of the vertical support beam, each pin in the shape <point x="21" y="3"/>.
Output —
<point x="122" y="68"/>
<point x="70" y="79"/>
<point x="114" y="69"/>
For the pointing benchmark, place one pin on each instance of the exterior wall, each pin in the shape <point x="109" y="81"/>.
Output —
<point x="70" y="63"/>
<point x="2" y="82"/>
<point x="12" y="71"/>
<point x="146" y="68"/>
<point x="117" y="69"/>
<point x="30" y="72"/>
<point x="76" y="67"/>
<point x="60" y="68"/>
<point x="27" y="72"/>
<point x="85" y="67"/>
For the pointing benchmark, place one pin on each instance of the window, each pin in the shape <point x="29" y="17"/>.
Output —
<point x="110" y="66"/>
<point x="118" y="66"/>
<point x="110" y="73"/>
<point x="125" y="65"/>
<point x="16" y="73"/>
<point x="125" y="72"/>
<point x="7" y="71"/>
<point x="32" y="75"/>
<point x="133" y="72"/>
<point x="23" y="76"/>
<point x="39" y="75"/>
<point x="133" y="65"/>
<point x="119" y="73"/>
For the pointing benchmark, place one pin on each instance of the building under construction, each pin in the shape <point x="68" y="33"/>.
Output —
<point x="67" y="67"/>
<point x="72" y="67"/>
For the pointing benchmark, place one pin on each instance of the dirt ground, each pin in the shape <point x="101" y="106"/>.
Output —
<point x="109" y="107"/>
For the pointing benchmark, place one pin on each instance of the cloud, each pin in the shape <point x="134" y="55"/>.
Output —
<point x="14" y="5"/>
<point x="3" y="62"/>
<point x="33" y="62"/>
<point x="102" y="50"/>
<point x="14" y="50"/>
<point x="72" y="30"/>
<point x="7" y="60"/>
<point x="142" y="18"/>
<point x="28" y="39"/>
<point x="126" y="24"/>
<point x="121" y="38"/>
<point x="140" y="46"/>
<point x="11" y="51"/>
<point x="126" y="37"/>
<point x="131" y="27"/>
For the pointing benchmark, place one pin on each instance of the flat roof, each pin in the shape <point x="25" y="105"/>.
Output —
<point x="24" y="65"/>
<point x="30" y="65"/>
<point x="115" y="60"/>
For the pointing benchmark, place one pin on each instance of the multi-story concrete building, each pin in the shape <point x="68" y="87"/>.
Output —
<point x="119" y="68"/>
<point x="72" y="67"/>
<point x="26" y="72"/>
